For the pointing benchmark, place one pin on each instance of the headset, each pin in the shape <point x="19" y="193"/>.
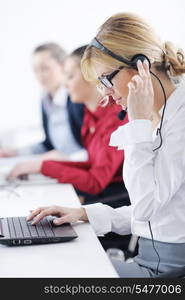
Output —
<point x="133" y="63"/>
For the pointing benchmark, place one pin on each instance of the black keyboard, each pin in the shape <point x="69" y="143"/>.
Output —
<point x="20" y="228"/>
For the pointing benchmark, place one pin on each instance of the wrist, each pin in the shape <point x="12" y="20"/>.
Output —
<point x="38" y="165"/>
<point x="83" y="214"/>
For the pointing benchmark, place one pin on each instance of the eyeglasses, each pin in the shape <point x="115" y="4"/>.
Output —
<point x="106" y="79"/>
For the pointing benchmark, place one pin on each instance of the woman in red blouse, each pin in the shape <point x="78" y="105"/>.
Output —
<point x="101" y="174"/>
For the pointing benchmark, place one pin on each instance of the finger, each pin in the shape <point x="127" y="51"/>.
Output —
<point x="41" y="216"/>
<point x="146" y="67"/>
<point x="131" y="86"/>
<point x="62" y="220"/>
<point x="34" y="213"/>
<point x="45" y="212"/>
<point x="141" y="70"/>
<point x="144" y="72"/>
<point x="137" y="80"/>
<point x="12" y="175"/>
<point x="15" y="172"/>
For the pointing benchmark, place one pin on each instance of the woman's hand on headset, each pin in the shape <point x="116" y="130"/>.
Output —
<point x="140" y="98"/>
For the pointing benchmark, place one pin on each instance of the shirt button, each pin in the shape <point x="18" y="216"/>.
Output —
<point x="92" y="129"/>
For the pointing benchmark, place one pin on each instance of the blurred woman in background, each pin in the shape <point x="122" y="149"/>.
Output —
<point x="61" y="119"/>
<point x="101" y="174"/>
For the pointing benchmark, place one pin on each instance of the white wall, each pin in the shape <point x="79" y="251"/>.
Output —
<point x="26" y="23"/>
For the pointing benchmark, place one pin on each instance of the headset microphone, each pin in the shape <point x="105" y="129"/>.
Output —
<point x="122" y="114"/>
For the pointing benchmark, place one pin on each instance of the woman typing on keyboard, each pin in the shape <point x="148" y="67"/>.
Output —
<point x="132" y="65"/>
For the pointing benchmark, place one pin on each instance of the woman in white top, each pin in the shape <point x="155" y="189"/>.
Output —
<point x="153" y="141"/>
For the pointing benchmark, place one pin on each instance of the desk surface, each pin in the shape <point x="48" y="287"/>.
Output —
<point x="83" y="257"/>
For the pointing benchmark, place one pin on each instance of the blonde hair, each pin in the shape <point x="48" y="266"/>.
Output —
<point x="127" y="34"/>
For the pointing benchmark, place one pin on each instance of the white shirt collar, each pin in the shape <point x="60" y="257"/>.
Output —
<point x="60" y="97"/>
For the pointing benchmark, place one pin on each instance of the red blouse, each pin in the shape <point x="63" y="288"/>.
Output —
<point x="104" y="165"/>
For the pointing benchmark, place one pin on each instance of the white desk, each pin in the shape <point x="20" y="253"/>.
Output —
<point x="83" y="257"/>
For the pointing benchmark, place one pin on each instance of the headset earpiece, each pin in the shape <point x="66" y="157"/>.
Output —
<point x="140" y="57"/>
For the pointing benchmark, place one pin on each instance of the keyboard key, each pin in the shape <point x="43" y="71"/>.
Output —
<point x="47" y="227"/>
<point x="11" y="228"/>
<point x="32" y="229"/>
<point x="4" y="228"/>
<point x="17" y="226"/>
<point x="40" y="230"/>
<point x="24" y="226"/>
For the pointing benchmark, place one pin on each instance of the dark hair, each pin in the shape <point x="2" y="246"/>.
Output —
<point x="79" y="52"/>
<point x="55" y="50"/>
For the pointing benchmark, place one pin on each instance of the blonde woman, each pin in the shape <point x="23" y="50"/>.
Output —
<point x="130" y="63"/>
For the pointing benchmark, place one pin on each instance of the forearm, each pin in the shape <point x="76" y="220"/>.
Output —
<point x="140" y="180"/>
<point x="88" y="177"/>
<point x="81" y="178"/>
<point x="104" y="218"/>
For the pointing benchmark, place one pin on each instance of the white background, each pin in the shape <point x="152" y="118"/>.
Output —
<point x="26" y="23"/>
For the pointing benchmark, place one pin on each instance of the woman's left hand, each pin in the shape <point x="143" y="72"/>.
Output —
<point x="140" y="98"/>
<point x="24" y="168"/>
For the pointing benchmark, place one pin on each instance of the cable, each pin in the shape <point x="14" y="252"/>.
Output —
<point x="121" y="116"/>
<point x="161" y="141"/>
<point x="162" y="116"/>
<point x="154" y="248"/>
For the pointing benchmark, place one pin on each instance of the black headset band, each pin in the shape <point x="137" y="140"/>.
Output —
<point x="131" y="62"/>
<point x="104" y="49"/>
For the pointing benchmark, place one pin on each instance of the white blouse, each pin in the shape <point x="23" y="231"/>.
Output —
<point x="155" y="180"/>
